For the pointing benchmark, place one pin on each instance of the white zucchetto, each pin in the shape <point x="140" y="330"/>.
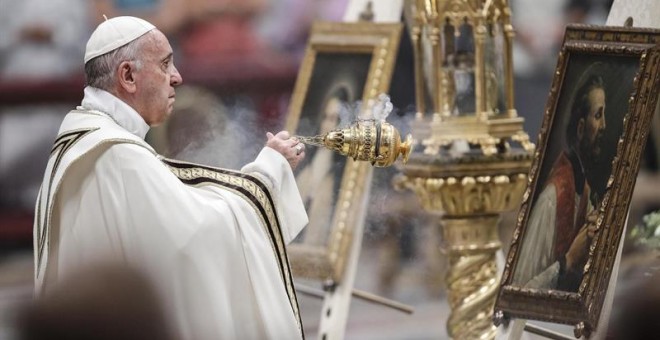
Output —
<point x="115" y="33"/>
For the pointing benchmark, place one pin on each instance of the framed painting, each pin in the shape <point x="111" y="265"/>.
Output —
<point x="345" y="64"/>
<point x="573" y="212"/>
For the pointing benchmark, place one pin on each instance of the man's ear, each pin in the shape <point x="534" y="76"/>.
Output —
<point x="579" y="132"/>
<point x="126" y="75"/>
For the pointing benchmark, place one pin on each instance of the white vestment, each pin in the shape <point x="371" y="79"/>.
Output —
<point x="211" y="239"/>
<point x="536" y="267"/>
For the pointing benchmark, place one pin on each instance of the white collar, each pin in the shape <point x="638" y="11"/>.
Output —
<point x="124" y="115"/>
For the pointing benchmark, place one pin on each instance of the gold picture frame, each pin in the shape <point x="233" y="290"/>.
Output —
<point x="350" y="62"/>
<point x="559" y="272"/>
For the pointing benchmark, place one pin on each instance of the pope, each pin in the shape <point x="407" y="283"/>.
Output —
<point x="212" y="240"/>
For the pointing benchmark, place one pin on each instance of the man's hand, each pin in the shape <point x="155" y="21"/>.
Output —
<point x="290" y="148"/>
<point x="577" y="254"/>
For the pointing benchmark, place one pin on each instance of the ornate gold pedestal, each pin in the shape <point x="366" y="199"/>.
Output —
<point x="469" y="193"/>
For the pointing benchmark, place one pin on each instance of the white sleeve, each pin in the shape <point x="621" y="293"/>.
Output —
<point x="274" y="169"/>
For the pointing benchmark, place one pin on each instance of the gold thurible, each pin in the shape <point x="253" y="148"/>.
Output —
<point x="370" y="140"/>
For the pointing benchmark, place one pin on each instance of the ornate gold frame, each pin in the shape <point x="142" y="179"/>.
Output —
<point x="381" y="41"/>
<point x="583" y="307"/>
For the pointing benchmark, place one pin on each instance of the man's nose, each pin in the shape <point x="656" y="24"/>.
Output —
<point x="176" y="79"/>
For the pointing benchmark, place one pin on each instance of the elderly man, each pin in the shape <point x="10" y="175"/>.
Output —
<point x="211" y="239"/>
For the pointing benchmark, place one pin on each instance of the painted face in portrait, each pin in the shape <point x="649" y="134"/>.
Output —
<point x="330" y="115"/>
<point x="592" y="128"/>
<point x="156" y="79"/>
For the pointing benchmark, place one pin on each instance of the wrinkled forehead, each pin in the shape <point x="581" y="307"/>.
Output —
<point x="155" y="43"/>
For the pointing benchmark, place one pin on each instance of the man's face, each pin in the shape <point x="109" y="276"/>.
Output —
<point x="330" y="115"/>
<point x="593" y="127"/>
<point x="156" y="79"/>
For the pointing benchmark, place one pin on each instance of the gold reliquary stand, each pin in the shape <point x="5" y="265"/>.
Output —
<point x="472" y="162"/>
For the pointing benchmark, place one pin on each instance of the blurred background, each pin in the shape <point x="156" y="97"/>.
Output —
<point x="239" y="60"/>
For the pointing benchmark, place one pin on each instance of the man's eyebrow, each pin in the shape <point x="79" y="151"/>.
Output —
<point x="168" y="56"/>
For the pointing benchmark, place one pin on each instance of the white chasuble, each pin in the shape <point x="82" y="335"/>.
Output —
<point x="212" y="240"/>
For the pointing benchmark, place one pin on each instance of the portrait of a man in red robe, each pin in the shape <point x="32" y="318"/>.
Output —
<point x="580" y="150"/>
